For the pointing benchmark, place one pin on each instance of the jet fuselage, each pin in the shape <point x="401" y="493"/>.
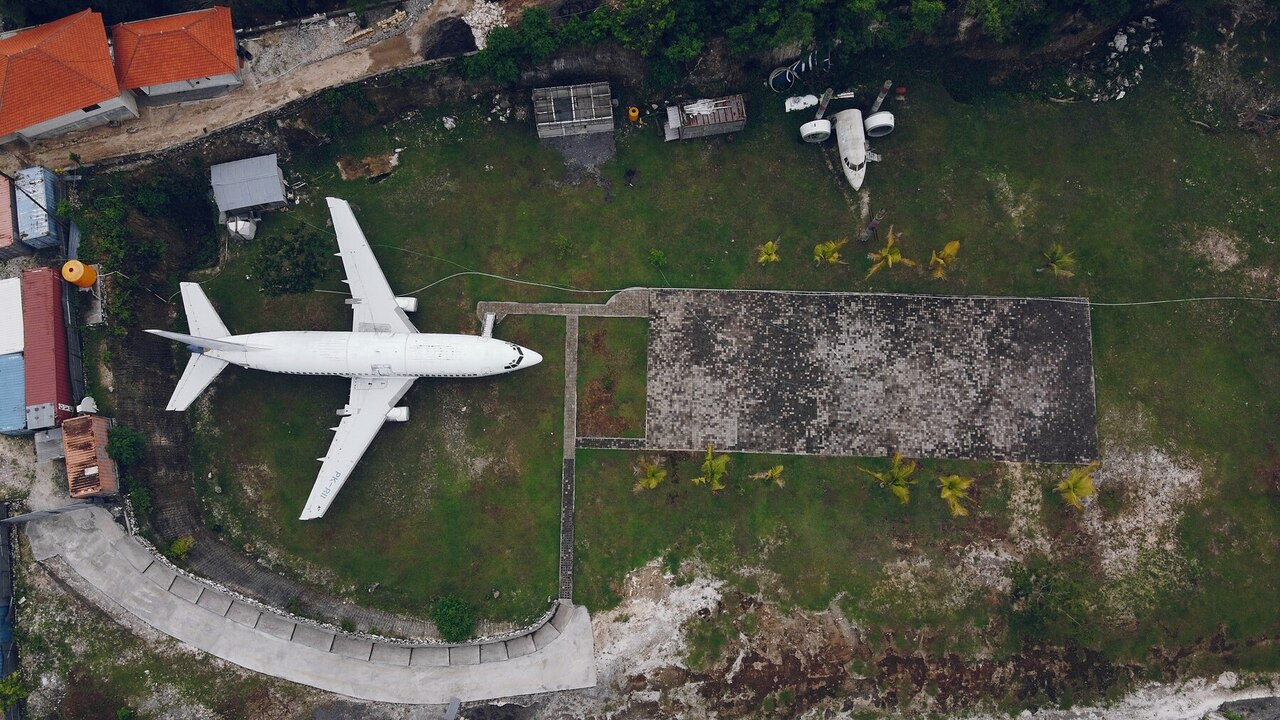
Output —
<point x="379" y="354"/>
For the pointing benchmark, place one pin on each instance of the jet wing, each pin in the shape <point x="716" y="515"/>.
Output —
<point x="371" y="400"/>
<point x="371" y="297"/>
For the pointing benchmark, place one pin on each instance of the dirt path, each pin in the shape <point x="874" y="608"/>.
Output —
<point x="160" y="128"/>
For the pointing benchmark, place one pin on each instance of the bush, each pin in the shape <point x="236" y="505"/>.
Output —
<point x="125" y="445"/>
<point x="293" y="263"/>
<point x="181" y="547"/>
<point x="12" y="691"/>
<point x="454" y="618"/>
<point x="140" y="498"/>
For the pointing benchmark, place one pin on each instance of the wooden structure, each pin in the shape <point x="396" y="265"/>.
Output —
<point x="709" y="116"/>
<point x="90" y="471"/>
<point x="573" y="110"/>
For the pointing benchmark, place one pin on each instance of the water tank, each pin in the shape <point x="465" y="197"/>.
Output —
<point x="79" y="274"/>
<point x="815" y="131"/>
<point x="879" y="124"/>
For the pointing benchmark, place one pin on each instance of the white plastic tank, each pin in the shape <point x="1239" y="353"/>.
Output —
<point x="242" y="228"/>
<point x="815" y="131"/>
<point x="879" y="124"/>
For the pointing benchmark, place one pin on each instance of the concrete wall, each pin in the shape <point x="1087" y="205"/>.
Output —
<point x="187" y="90"/>
<point x="123" y="107"/>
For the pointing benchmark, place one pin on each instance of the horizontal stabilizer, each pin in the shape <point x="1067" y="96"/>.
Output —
<point x="203" y="343"/>
<point x="201" y="370"/>
<point x="202" y="319"/>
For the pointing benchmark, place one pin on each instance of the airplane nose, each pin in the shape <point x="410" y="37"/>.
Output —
<point x="531" y="358"/>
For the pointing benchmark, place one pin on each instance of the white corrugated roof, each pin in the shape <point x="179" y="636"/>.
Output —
<point x="247" y="183"/>
<point x="10" y="316"/>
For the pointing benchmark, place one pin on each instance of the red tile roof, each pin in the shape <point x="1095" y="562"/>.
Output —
<point x="52" y="69"/>
<point x="177" y="47"/>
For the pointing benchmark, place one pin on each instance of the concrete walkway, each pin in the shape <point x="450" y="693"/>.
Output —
<point x="558" y="655"/>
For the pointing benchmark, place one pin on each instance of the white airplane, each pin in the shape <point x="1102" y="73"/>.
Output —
<point x="382" y="355"/>
<point x="851" y="138"/>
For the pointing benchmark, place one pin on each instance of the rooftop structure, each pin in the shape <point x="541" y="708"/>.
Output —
<point x="10" y="245"/>
<point x="248" y="185"/>
<point x="48" y="376"/>
<point x="35" y="200"/>
<point x="11" y="340"/>
<point x="700" y="118"/>
<point x="90" y="471"/>
<point x="13" y="402"/>
<point x="177" y="57"/>
<point x="573" y="110"/>
<point x="58" y="76"/>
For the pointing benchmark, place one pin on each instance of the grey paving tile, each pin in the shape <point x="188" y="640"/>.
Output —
<point x="160" y="575"/>
<point x="352" y="647"/>
<point x="139" y="557"/>
<point x="520" y="646"/>
<point x="276" y="626"/>
<point x="543" y="636"/>
<point x="312" y="637"/>
<point x="244" y="613"/>
<point x="493" y="652"/>
<point x="215" y="602"/>
<point x="186" y="589"/>
<point x="393" y="654"/>
<point x="429" y="655"/>
<point x="464" y="655"/>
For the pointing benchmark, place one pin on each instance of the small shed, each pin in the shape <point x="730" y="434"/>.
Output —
<point x="10" y="246"/>
<point x="48" y="375"/>
<point x="11" y="339"/>
<point x="13" y="400"/>
<point x="36" y="198"/>
<point x="709" y="116"/>
<point x="245" y="186"/>
<point x="573" y="110"/>
<point x="90" y="471"/>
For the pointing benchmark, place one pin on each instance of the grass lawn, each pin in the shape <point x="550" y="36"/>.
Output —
<point x="612" y="355"/>
<point x="463" y="498"/>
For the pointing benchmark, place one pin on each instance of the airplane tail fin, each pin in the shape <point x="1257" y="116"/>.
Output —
<point x="207" y="333"/>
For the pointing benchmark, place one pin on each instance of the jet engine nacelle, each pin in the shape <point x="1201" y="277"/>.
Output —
<point x="398" y="414"/>
<point x="408" y="304"/>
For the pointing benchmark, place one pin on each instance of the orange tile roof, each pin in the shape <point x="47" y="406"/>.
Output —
<point x="90" y="470"/>
<point x="177" y="47"/>
<point x="54" y="68"/>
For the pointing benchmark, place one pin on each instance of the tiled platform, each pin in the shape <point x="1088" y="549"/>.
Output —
<point x="857" y="374"/>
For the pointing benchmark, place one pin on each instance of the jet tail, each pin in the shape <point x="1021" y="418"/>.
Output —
<point x="207" y="332"/>
<point x="202" y="319"/>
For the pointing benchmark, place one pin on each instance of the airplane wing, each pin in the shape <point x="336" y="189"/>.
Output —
<point x="371" y="297"/>
<point x="371" y="400"/>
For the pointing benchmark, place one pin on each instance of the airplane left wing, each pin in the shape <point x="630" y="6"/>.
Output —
<point x="371" y="400"/>
<point x="371" y="297"/>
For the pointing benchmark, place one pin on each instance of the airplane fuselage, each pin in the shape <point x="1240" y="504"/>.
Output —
<point x="366" y="354"/>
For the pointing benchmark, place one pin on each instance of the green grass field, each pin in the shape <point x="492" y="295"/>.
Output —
<point x="464" y="500"/>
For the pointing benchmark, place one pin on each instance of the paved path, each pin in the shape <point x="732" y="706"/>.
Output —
<point x="632" y="302"/>
<point x="567" y="492"/>
<point x="558" y="655"/>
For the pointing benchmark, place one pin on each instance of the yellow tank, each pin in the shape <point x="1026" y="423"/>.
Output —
<point x="633" y="113"/>
<point x="79" y="274"/>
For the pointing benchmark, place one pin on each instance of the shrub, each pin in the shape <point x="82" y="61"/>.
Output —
<point x="454" y="618"/>
<point x="181" y="547"/>
<point x="293" y="263"/>
<point x="125" y="445"/>
<point x="140" y="498"/>
<point x="12" y="691"/>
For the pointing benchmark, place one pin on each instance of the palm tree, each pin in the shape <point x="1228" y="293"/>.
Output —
<point x="888" y="256"/>
<point x="769" y="252"/>
<point x="940" y="261"/>
<point x="1077" y="485"/>
<point x="954" y="489"/>
<point x="1060" y="262"/>
<point x="897" y="479"/>
<point x="713" y="470"/>
<point x="773" y="474"/>
<point x="828" y="253"/>
<point x="650" y="475"/>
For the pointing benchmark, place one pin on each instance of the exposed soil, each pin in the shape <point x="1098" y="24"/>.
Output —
<point x="372" y="168"/>
<point x="597" y="414"/>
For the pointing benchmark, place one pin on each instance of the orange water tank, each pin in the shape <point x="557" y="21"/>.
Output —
<point x="633" y="113"/>
<point x="79" y="274"/>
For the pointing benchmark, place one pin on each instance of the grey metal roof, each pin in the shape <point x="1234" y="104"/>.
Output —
<point x="572" y="103"/>
<point x="247" y="183"/>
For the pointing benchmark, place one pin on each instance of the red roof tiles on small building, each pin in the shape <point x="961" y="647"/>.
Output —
<point x="176" y="47"/>
<point x="52" y="69"/>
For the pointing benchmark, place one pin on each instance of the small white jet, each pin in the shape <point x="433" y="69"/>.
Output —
<point x="382" y="355"/>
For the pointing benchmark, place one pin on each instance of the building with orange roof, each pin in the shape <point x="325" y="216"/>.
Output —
<point x="90" y="470"/>
<point x="188" y="56"/>
<point x="59" y="77"/>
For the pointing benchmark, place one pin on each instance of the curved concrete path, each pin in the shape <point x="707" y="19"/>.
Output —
<point x="558" y="655"/>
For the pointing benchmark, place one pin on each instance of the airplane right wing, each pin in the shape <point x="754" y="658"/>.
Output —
<point x="371" y="400"/>
<point x="371" y="298"/>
